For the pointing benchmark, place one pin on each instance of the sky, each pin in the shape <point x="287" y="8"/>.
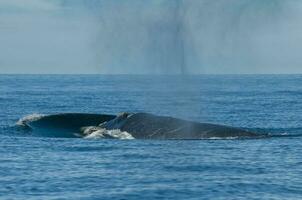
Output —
<point x="147" y="37"/>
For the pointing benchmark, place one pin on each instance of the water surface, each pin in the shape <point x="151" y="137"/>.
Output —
<point x="36" y="167"/>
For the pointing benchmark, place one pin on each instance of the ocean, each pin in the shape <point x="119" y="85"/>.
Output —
<point x="34" y="166"/>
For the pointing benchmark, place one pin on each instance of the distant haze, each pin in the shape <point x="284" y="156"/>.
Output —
<point x="150" y="37"/>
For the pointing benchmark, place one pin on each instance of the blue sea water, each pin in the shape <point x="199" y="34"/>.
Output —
<point x="37" y="167"/>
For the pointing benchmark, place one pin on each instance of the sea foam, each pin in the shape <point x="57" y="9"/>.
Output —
<point x="99" y="133"/>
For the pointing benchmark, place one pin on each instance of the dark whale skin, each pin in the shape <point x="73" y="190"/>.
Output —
<point x="149" y="126"/>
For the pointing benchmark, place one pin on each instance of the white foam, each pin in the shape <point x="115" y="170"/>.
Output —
<point x="29" y="118"/>
<point x="87" y="130"/>
<point x="103" y="133"/>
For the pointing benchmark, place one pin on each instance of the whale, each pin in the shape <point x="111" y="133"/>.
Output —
<point x="149" y="126"/>
<point x="136" y="125"/>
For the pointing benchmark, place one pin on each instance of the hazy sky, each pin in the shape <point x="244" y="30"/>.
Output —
<point x="143" y="36"/>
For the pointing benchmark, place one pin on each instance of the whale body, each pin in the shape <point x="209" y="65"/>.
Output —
<point x="137" y="125"/>
<point x="149" y="126"/>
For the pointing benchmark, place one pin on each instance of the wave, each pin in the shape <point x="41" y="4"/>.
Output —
<point x="66" y="125"/>
<point x="24" y="121"/>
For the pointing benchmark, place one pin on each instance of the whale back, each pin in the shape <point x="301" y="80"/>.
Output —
<point x="137" y="125"/>
<point x="148" y="126"/>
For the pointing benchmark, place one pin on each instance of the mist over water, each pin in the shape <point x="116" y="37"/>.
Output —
<point x="198" y="36"/>
<point x="183" y="37"/>
<point x="151" y="37"/>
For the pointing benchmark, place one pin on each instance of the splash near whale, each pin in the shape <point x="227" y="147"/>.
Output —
<point x="130" y="126"/>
